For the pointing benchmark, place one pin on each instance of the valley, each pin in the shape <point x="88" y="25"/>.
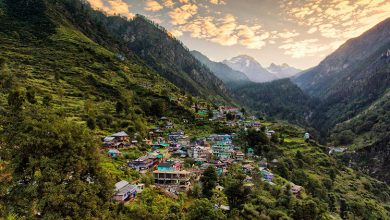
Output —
<point x="106" y="117"/>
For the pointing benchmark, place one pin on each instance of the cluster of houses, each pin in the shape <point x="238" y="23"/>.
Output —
<point x="168" y="150"/>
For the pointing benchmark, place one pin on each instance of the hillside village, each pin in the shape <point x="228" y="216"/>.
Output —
<point x="176" y="160"/>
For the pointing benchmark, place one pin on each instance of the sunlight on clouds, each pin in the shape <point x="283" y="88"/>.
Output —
<point x="112" y="7"/>
<point x="303" y="48"/>
<point x="168" y="3"/>
<point x="152" y="5"/>
<point x="340" y="19"/>
<point x="182" y="14"/>
<point x="176" y="33"/>
<point x="218" y="2"/>
<point x="307" y="48"/>
<point x="226" y="31"/>
<point x="312" y="27"/>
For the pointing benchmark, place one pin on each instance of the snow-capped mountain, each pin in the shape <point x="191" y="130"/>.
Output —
<point x="283" y="71"/>
<point x="221" y="70"/>
<point x="251" y="68"/>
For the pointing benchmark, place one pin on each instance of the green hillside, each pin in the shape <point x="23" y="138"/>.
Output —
<point x="279" y="99"/>
<point x="64" y="87"/>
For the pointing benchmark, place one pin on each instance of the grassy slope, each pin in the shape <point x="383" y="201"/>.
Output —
<point x="77" y="72"/>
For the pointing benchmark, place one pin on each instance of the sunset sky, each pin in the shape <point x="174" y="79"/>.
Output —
<point x="300" y="33"/>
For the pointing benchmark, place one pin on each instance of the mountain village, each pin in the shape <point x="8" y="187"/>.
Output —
<point x="177" y="160"/>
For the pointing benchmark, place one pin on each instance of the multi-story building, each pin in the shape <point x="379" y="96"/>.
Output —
<point x="172" y="177"/>
<point x="222" y="150"/>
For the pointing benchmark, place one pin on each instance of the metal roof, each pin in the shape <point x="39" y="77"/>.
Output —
<point x="120" y="134"/>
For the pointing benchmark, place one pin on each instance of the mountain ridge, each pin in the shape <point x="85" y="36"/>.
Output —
<point x="221" y="70"/>
<point x="283" y="71"/>
<point x="252" y="68"/>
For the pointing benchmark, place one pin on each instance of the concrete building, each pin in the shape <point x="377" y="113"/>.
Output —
<point x="181" y="178"/>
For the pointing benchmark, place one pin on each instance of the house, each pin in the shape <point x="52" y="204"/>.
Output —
<point x="267" y="175"/>
<point x="113" y="153"/>
<point x="222" y="150"/>
<point x="180" y="153"/>
<point x="142" y="163"/>
<point x="119" y="139"/>
<point x="181" y="178"/>
<point x="169" y="166"/>
<point x="156" y="132"/>
<point x="145" y="162"/>
<point x="169" y="125"/>
<point x="174" y="147"/>
<point x="156" y="156"/>
<point x="125" y="191"/>
<point x="195" y="151"/>
<point x="160" y="145"/>
<point x="247" y="168"/>
<point x="108" y="142"/>
<point x="240" y="156"/>
<point x="220" y="137"/>
<point x="176" y="136"/>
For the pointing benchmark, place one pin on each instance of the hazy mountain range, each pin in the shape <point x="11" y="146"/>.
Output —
<point x="245" y="68"/>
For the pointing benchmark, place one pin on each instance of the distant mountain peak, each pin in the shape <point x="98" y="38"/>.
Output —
<point x="283" y="71"/>
<point x="221" y="70"/>
<point x="251" y="67"/>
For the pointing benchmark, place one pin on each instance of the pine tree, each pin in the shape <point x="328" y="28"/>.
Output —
<point x="209" y="180"/>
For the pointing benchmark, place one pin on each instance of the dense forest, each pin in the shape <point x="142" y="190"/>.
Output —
<point x="279" y="99"/>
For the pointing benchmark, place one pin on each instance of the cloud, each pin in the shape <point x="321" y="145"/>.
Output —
<point x="286" y="34"/>
<point x="218" y="2"/>
<point x="331" y="21"/>
<point x="168" y="3"/>
<point x="112" y="7"/>
<point x="308" y="48"/>
<point x="152" y="5"/>
<point x="176" y="33"/>
<point x="338" y="19"/>
<point x="312" y="30"/>
<point x="226" y="31"/>
<point x="250" y="38"/>
<point x="182" y="14"/>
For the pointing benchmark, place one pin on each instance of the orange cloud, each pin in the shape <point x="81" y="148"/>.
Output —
<point x="152" y="5"/>
<point x="112" y="7"/>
